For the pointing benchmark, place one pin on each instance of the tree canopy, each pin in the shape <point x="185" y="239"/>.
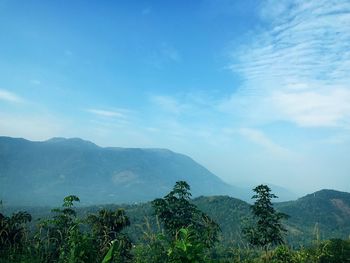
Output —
<point x="267" y="228"/>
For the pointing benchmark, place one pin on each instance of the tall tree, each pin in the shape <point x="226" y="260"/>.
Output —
<point x="176" y="211"/>
<point x="267" y="228"/>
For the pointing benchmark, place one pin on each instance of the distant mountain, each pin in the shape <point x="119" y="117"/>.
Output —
<point x="42" y="173"/>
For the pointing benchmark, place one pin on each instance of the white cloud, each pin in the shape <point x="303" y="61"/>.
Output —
<point x="297" y="70"/>
<point x="315" y="108"/>
<point x="9" y="96"/>
<point x="106" y="113"/>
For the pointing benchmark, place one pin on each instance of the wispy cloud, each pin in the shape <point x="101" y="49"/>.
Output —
<point x="297" y="69"/>
<point x="106" y="113"/>
<point x="261" y="139"/>
<point x="168" y="104"/>
<point x="315" y="108"/>
<point x="9" y="96"/>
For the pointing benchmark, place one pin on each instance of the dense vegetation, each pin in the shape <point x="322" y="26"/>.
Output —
<point x="178" y="231"/>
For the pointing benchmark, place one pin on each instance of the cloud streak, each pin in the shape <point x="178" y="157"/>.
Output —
<point x="261" y="139"/>
<point x="297" y="69"/>
<point x="106" y="113"/>
<point x="9" y="96"/>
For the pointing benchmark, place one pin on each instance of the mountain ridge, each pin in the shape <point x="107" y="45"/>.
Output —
<point x="44" y="171"/>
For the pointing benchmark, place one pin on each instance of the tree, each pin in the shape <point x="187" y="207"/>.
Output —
<point x="189" y="233"/>
<point x="61" y="239"/>
<point x="106" y="229"/>
<point x="267" y="228"/>
<point x="176" y="211"/>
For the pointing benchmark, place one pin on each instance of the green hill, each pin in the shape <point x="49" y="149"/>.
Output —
<point x="325" y="213"/>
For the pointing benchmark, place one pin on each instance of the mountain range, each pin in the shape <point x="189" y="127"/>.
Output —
<point x="43" y="172"/>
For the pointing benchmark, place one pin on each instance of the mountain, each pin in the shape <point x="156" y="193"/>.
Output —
<point x="42" y="173"/>
<point x="323" y="214"/>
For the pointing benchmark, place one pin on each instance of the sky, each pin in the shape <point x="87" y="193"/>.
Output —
<point x="256" y="91"/>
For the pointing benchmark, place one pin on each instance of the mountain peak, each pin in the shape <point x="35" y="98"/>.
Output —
<point x="326" y="194"/>
<point x="76" y="141"/>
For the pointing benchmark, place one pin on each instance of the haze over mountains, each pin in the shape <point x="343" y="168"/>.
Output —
<point x="42" y="173"/>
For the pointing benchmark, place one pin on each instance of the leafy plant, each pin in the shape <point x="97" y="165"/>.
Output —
<point x="12" y="229"/>
<point x="106" y="229"/>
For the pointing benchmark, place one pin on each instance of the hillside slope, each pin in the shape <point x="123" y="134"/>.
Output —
<point x="325" y="213"/>
<point x="42" y="173"/>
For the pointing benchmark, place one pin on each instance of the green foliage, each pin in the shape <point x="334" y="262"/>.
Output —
<point x="335" y="251"/>
<point x="176" y="212"/>
<point x="267" y="229"/>
<point x="61" y="239"/>
<point x="282" y="254"/>
<point x="106" y="228"/>
<point x="186" y="248"/>
<point x="189" y="235"/>
<point x="153" y="245"/>
<point x="13" y="232"/>
<point x="324" y="212"/>
<point x="118" y="251"/>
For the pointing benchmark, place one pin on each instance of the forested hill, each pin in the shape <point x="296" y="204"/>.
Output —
<point x="325" y="213"/>
<point x="41" y="173"/>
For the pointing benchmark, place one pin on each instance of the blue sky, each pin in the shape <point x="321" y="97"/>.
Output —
<point x="256" y="91"/>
